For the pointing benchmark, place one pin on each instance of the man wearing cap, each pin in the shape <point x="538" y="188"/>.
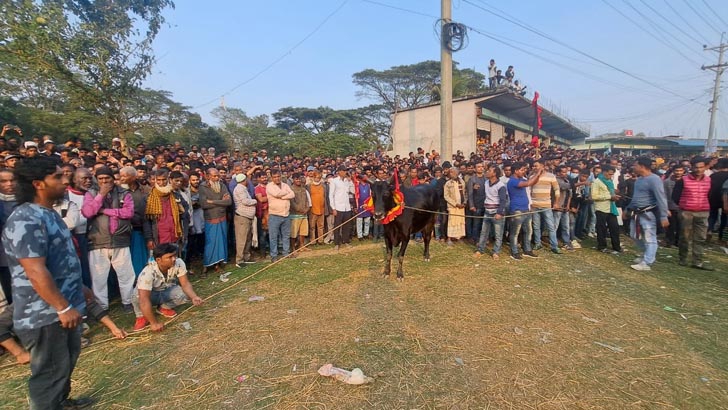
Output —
<point x="340" y="190"/>
<point x="109" y="214"/>
<point x="245" y="207"/>
<point x="49" y="148"/>
<point x="11" y="159"/>
<point x="31" y="149"/>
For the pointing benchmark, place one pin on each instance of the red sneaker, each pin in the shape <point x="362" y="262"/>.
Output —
<point x="166" y="312"/>
<point x="140" y="324"/>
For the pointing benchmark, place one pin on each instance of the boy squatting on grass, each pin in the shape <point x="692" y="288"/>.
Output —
<point x="157" y="285"/>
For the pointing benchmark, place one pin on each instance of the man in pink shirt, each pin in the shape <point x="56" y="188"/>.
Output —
<point x="109" y="214"/>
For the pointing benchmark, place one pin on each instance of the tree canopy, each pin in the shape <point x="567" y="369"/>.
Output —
<point x="407" y="86"/>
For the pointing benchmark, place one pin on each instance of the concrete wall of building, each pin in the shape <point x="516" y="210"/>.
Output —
<point x="421" y="128"/>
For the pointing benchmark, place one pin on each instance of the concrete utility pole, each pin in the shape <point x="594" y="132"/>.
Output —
<point x="712" y="145"/>
<point x="445" y="85"/>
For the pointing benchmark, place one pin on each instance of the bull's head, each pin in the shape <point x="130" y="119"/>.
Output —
<point x="382" y="198"/>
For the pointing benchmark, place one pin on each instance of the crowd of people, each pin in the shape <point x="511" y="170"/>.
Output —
<point x="72" y="213"/>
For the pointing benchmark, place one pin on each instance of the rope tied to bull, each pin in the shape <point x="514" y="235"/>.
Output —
<point x="479" y="217"/>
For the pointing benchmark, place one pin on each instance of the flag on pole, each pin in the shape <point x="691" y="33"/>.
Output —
<point x="537" y="123"/>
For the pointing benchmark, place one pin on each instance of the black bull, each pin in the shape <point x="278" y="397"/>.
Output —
<point x="398" y="231"/>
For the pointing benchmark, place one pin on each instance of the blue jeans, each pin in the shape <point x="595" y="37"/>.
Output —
<point x="496" y="226"/>
<point x="646" y="241"/>
<point x="279" y="227"/>
<point x="476" y="224"/>
<point x="548" y="217"/>
<point x="520" y="222"/>
<point x="561" y="219"/>
<point x="581" y="219"/>
<point x="592" y="219"/>
<point x="168" y="298"/>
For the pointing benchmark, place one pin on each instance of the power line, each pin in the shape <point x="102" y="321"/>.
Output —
<point x="640" y="26"/>
<point x="400" y="9"/>
<point x="660" y="29"/>
<point x="670" y="22"/>
<point x="708" y="23"/>
<point x="279" y="59"/>
<point x="612" y="66"/>
<point x="714" y="13"/>
<point x="720" y="20"/>
<point x="505" y="41"/>
<point x="680" y="16"/>
<point x="556" y="63"/>
<point x="529" y="45"/>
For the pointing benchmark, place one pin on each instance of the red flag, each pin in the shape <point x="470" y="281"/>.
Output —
<point x="537" y="124"/>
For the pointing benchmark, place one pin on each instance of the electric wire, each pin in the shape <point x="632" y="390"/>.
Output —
<point x="641" y="27"/>
<point x="680" y="16"/>
<point x="506" y="41"/>
<point x="280" y="58"/>
<point x="550" y="38"/>
<point x="661" y="30"/>
<point x="714" y="13"/>
<point x="670" y="22"/>
<point x="700" y="15"/>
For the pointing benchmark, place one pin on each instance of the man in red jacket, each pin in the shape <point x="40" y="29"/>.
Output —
<point x="691" y="195"/>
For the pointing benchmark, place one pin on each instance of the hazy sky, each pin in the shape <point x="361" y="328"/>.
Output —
<point x="214" y="46"/>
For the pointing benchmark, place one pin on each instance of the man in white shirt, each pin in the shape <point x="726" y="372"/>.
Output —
<point x="341" y="188"/>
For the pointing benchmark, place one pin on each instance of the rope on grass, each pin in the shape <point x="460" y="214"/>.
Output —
<point x="135" y="335"/>
<point x="225" y="289"/>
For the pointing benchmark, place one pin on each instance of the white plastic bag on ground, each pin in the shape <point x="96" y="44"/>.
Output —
<point x="356" y="376"/>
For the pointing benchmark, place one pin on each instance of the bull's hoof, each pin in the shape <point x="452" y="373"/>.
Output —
<point x="427" y="259"/>
<point x="400" y="278"/>
<point x="385" y="276"/>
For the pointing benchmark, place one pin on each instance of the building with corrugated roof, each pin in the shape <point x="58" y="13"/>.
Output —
<point x="479" y="120"/>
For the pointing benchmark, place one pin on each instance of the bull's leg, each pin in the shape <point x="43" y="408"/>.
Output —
<point x="427" y="232"/>
<point x="388" y="258"/>
<point x="400" y="257"/>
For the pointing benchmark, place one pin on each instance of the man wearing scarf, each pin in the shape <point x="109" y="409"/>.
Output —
<point x="162" y="222"/>
<point x="214" y="200"/>
<point x="605" y="197"/>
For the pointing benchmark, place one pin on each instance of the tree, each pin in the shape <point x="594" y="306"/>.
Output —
<point x="408" y="86"/>
<point x="238" y="129"/>
<point x="96" y="54"/>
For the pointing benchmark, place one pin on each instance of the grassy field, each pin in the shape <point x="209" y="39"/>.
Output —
<point x="574" y="331"/>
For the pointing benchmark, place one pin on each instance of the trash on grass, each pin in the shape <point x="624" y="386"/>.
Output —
<point x="256" y="298"/>
<point x="545" y="338"/>
<point x="589" y="319"/>
<point x="355" y="376"/>
<point x="683" y="316"/>
<point x="459" y="361"/>
<point x="186" y="325"/>
<point x="292" y="311"/>
<point x="669" y="309"/>
<point x="241" y="378"/>
<point x="224" y="277"/>
<point x="517" y="330"/>
<point x="615" y="349"/>
<point x="704" y="379"/>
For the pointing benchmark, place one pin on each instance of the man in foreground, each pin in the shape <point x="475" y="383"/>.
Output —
<point x="164" y="284"/>
<point x="46" y="283"/>
<point x="649" y="207"/>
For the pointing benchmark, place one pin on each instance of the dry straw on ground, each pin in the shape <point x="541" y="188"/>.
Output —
<point x="458" y="333"/>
